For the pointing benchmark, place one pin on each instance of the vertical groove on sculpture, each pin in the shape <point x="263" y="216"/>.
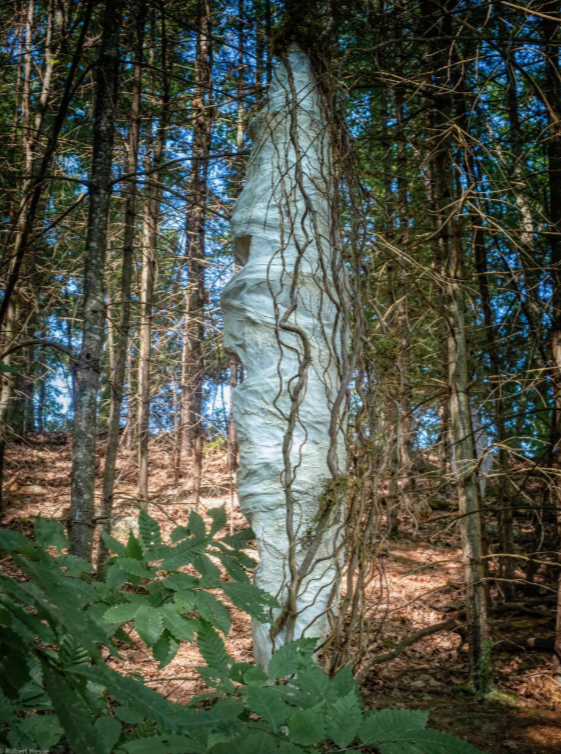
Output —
<point x="282" y="321"/>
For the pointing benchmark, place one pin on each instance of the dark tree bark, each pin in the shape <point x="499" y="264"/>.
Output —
<point x="449" y="253"/>
<point x="197" y="192"/>
<point x="149" y="257"/>
<point x="123" y="327"/>
<point x="88" y="366"/>
<point x="552" y="93"/>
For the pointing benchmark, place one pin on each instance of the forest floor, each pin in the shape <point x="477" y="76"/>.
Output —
<point x="421" y="578"/>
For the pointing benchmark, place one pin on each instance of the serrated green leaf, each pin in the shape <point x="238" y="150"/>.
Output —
<point x="343" y="720"/>
<point x="313" y="685"/>
<point x="256" y="676"/>
<point x="180" y="627"/>
<point x="18" y="739"/>
<point x="343" y="683"/>
<point x="44" y="730"/>
<point x="116" y="577"/>
<point x="109" y="731"/>
<point x="216" y="678"/>
<point x="210" y="574"/>
<point x="286" y="747"/>
<point x="61" y="604"/>
<point x="72" y="652"/>
<point x="240" y="539"/>
<point x="129" y="691"/>
<point x="306" y="727"/>
<point x="266" y="703"/>
<point x="179" y="533"/>
<point x="219" y="519"/>
<point x="133" y="567"/>
<point x="180" y="581"/>
<point x="233" y="568"/>
<point x="7" y="709"/>
<point x="72" y="713"/>
<point x="128" y="714"/>
<point x="169" y="744"/>
<point x="165" y="649"/>
<point x="144" y="730"/>
<point x="251" y="600"/>
<point x="185" y="599"/>
<point x="13" y="541"/>
<point x="427" y="742"/>
<point x="290" y="657"/>
<point x="242" y="558"/>
<point x="213" y="611"/>
<point x="238" y="670"/>
<point x="183" y="554"/>
<point x="149" y="530"/>
<point x="196" y="525"/>
<point x="149" y="624"/>
<point x="389" y="724"/>
<point x="113" y="544"/>
<point x="212" y="648"/>
<point x="134" y="548"/>
<point x="74" y="565"/>
<point x="121" y="613"/>
<point x="258" y="743"/>
<point x="50" y="532"/>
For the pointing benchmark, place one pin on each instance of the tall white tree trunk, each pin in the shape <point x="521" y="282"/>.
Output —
<point x="285" y="322"/>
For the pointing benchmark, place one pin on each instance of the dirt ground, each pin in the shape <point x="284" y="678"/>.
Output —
<point x="421" y="585"/>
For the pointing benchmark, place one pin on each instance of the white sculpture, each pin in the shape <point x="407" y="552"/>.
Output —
<point x="283" y="321"/>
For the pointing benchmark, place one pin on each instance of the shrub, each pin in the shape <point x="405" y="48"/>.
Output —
<point x="61" y="627"/>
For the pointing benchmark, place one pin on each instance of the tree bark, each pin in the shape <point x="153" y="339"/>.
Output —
<point x="150" y="248"/>
<point x="552" y="93"/>
<point x="88" y="366"/>
<point x="197" y="190"/>
<point x="449" y="253"/>
<point x="123" y="327"/>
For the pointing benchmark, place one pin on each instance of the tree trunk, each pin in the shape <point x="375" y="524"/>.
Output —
<point x="6" y="384"/>
<point x="552" y="94"/>
<point x="449" y="254"/>
<point x="506" y="564"/>
<point x="193" y="343"/>
<point x="123" y="327"/>
<point x="150" y="248"/>
<point x="88" y="366"/>
<point x="466" y="464"/>
<point x="283" y="320"/>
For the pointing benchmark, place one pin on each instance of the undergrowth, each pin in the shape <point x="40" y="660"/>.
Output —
<point x="62" y="625"/>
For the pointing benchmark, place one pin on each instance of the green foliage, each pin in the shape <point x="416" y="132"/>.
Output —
<point x="60" y="625"/>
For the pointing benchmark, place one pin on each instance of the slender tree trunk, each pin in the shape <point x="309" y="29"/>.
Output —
<point x="123" y="327"/>
<point x="150" y="231"/>
<point x="506" y="564"/>
<point x="150" y="247"/>
<point x="466" y="464"/>
<point x="88" y="366"/>
<point x="552" y="92"/>
<point x="235" y="367"/>
<point x="41" y="389"/>
<point x="6" y="384"/>
<point x="449" y="254"/>
<point x="197" y="190"/>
